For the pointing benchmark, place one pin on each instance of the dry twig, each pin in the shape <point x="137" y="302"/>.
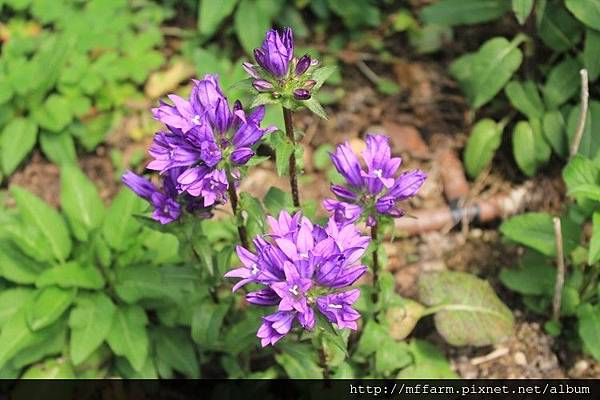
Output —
<point x="560" y="273"/>
<point x="585" y="94"/>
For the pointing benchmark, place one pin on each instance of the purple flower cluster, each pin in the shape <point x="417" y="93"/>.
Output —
<point x="205" y="140"/>
<point x="303" y="266"/>
<point x="373" y="191"/>
<point x="277" y="70"/>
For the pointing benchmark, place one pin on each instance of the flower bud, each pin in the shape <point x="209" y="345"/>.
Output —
<point x="250" y="70"/>
<point x="301" y="94"/>
<point x="303" y="64"/>
<point x="309" y="84"/>
<point x="262" y="86"/>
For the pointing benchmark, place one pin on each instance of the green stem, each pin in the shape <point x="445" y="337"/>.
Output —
<point x="375" y="239"/>
<point x="241" y="228"/>
<point x="289" y="130"/>
<point x="323" y="361"/>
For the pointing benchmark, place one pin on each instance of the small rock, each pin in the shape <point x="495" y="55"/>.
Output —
<point x="520" y="358"/>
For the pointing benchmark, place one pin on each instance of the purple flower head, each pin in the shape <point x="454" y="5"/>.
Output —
<point x="166" y="208"/>
<point x="304" y="268"/>
<point x="276" y="52"/>
<point x="375" y="189"/>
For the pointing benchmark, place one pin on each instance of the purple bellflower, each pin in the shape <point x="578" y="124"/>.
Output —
<point x="166" y="207"/>
<point x="373" y="191"/>
<point x="204" y="139"/>
<point x="304" y="268"/>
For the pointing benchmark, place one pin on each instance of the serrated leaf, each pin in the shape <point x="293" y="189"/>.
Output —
<point x="212" y="13"/>
<point x="48" y="306"/>
<point x="484" y="140"/>
<point x="90" y="322"/>
<point x="469" y="313"/>
<point x="70" y="275"/>
<point x="128" y="336"/>
<point x="587" y="11"/>
<point x="483" y="74"/>
<point x="80" y="202"/>
<point x="459" y="12"/>
<point x="524" y="145"/>
<point x="525" y="97"/>
<point x="46" y="219"/>
<point x="18" y="138"/>
<point x="174" y="348"/>
<point x="522" y="9"/>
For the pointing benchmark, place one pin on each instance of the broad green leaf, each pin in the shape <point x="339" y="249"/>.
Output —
<point x="579" y="171"/>
<point x="250" y="24"/>
<point x="401" y="318"/>
<point x="356" y="13"/>
<point x="373" y="334"/>
<point x="58" y="147"/>
<point x="589" y="328"/>
<point x="429" y="363"/>
<point x="591" y="53"/>
<point x="128" y="336"/>
<point x="18" y="138"/>
<point x="51" y="369"/>
<point x="484" y="140"/>
<point x="242" y="335"/>
<point x="55" y="115"/>
<point x="530" y="279"/>
<point x="212" y="13"/>
<point x="483" y="74"/>
<point x="49" y="304"/>
<point x="333" y="336"/>
<point x="276" y="200"/>
<point x="594" y="252"/>
<point x="70" y="275"/>
<point x="459" y="12"/>
<point x="543" y="151"/>
<point x="134" y="283"/>
<point x="263" y="99"/>
<point x="525" y="97"/>
<point x="11" y="300"/>
<point x="207" y="320"/>
<point x="391" y="356"/>
<point x="553" y="126"/>
<point x="15" y="336"/>
<point x="120" y="227"/>
<point x="80" y="201"/>
<point x="587" y="11"/>
<point x="533" y="229"/>
<point x="315" y="107"/>
<point x="175" y="348"/>
<point x="469" y="312"/>
<point x="16" y="267"/>
<point x="587" y="191"/>
<point x="522" y="9"/>
<point x="590" y="141"/>
<point x="46" y="219"/>
<point x="524" y="148"/>
<point x="562" y="83"/>
<point x="49" y="341"/>
<point x="299" y="361"/>
<point x="556" y="26"/>
<point x="90" y="322"/>
<point x="320" y="75"/>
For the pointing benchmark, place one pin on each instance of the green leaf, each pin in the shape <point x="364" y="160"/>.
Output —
<point x="315" y="107"/>
<point x="263" y="99"/>
<point x="250" y="24"/>
<point x="283" y="150"/>
<point x="18" y="138"/>
<point x="55" y="115"/>
<point x="320" y="75"/>
<point x="276" y="200"/>
<point x="207" y="320"/>
<point x="373" y="334"/>
<point x="16" y="267"/>
<point x="90" y="322"/>
<point x="80" y="201"/>
<point x="469" y="312"/>
<point x="562" y="83"/>
<point x="70" y="275"/>
<point x="120" y="227"/>
<point x="533" y="229"/>
<point x="580" y="170"/>
<point x="594" y="253"/>
<point x="524" y="145"/>
<point x="589" y="328"/>
<point x="459" y="12"/>
<point x="543" y="151"/>
<point x="128" y="336"/>
<point x="175" y="349"/>
<point x="587" y="191"/>
<point x="532" y="279"/>
<point x="48" y="341"/>
<point x="483" y="74"/>
<point x="49" y="304"/>
<point x="58" y="147"/>
<point x="391" y="356"/>
<point x="15" y="336"/>
<point x="522" y="9"/>
<point x="429" y="363"/>
<point x="590" y="141"/>
<point x="11" y="300"/>
<point x="332" y="335"/>
<point x="554" y="130"/>
<point x="212" y="13"/>
<point x="484" y="140"/>
<point x="587" y="11"/>
<point x="525" y="97"/>
<point x="591" y="53"/>
<point x="50" y="369"/>
<point x="46" y="219"/>
<point x="556" y="26"/>
<point x="134" y="283"/>
<point x="299" y="361"/>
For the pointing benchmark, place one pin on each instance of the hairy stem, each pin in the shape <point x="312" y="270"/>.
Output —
<point x="241" y="228"/>
<point x="289" y="130"/>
